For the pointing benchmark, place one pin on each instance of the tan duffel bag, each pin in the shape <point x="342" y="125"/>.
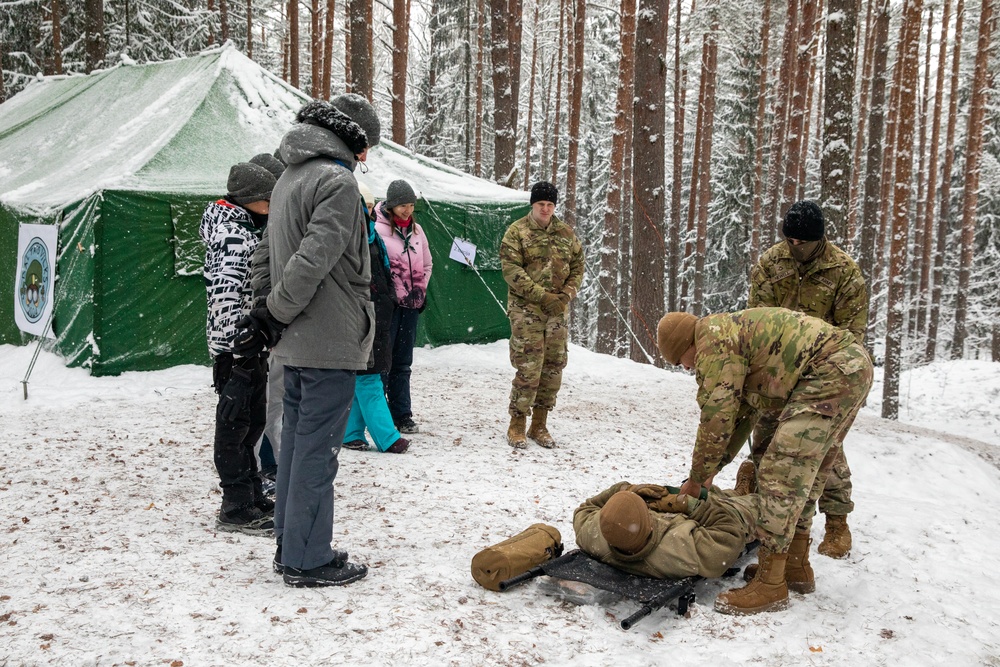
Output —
<point x="534" y="546"/>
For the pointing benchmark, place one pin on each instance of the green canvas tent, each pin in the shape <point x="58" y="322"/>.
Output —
<point x="125" y="160"/>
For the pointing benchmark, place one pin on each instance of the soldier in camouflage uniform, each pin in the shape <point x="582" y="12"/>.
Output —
<point x="809" y="274"/>
<point x="542" y="262"/>
<point x="771" y="359"/>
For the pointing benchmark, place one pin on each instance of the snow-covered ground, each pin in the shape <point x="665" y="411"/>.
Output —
<point x="110" y="556"/>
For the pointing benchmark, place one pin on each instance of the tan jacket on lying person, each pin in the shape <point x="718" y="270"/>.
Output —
<point x="703" y="537"/>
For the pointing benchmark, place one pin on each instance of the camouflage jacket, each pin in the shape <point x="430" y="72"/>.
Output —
<point x="750" y="361"/>
<point x="706" y="541"/>
<point x="830" y="287"/>
<point x="536" y="261"/>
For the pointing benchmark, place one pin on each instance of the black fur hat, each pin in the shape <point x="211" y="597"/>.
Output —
<point x="804" y="222"/>
<point x="325" y="115"/>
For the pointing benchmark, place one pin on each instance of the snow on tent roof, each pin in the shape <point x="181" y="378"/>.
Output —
<point x="175" y="126"/>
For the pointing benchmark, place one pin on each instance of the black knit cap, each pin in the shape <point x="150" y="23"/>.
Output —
<point x="544" y="191"/>
<point x="399" y="193"/>
<point x="804" y="222"/>
<point x="325" y="115"/>
<point x="249" y="183"/>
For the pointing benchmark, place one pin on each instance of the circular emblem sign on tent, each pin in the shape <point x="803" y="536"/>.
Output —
<point x="34" y="278"/>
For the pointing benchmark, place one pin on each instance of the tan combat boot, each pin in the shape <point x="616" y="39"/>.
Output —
<point x="538" y="432"/>
<point x="515" y="432"/>
<point x="767" y="592"/>
<point x="746" y="478"/>
<point x="799" y="575"/>
<point x="837" y="541"/>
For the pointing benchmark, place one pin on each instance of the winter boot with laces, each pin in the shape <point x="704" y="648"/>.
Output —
<point x="515" y="432"/>
<point x="767" y="591"/>
<point x="837" y="541"/>
<point x="746" y="478"/>
<point x="538" y="431"/>
<point x="799" y="575"/>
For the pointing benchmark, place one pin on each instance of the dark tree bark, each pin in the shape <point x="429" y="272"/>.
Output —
<point x="57" y="63"/>
<point x="558" y="92"/>
<point x="315" y="50"/>
<point x="400" y="53"/>
<point x="850" y="243"/>
<point x="674" y="247"/>
<point x="973" y="156"/>
<point x="649" y="174"/>
<point x="531" y="101"/>
<point x="348" y="76"/>
<point x="293" y="42"/>
<point x="211" y="22"/>
<point x="873" y="168"/>
<point x="362" y="74"/>
<point x="776" y="168"/>
<point x="95" y="41"/>
<point x="480" y="48"/>
<point x="797" y="111"/>
<point x="709" y="68"/>
<point x="607" y="319"/>
<point x="944" y="216"/>
<point x="504" y="111"/>
<point x="249" y="28"/>
<point x="692" y="210"/>
<point x="758" y="170"/>
<point x="909" y="65"/>
<point x="835" y="166"/>
<point x="917" y="256"/>
<point x="923" y="297"/>
<point x="575" y="111"/>
<point x="224" y="20"/>
<point x="331" y="7"/>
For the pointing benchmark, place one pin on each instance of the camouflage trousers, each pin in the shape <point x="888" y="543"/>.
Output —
<point x="836" y="498"/>
<point x="807" y="442"/>
<point x="538" y="352"/>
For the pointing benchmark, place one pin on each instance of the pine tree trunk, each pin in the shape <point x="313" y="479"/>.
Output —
<point x="776" y="168"/>
<point x="607" y="320"/>
<point x="250" y="29"/>
<point x="908" y="63"/>
<point x="95" y="51"/>
<point x="515" y="10"/>
<point x="923" y="297"/>
<point x="851" y="241"/>
<point x="504" y="113"/>
<point x="531" y="100"/>
<point x="361" y="48"/>
<point x="558" y="92"/>
<point x="315" y="50"/>
<point x="224" y="20"/>
<point x="625" y="343"/>
<point x="575" y="111"/>
<point x="808" y="116"/>
<point x="348" y="78"/>
<point x="797" y="111"/>
<point x="57" y="64"/>
<point x="3" y="90"/>
<point x="709" y="68"/>
<point x="674" y="246"/>
<point x="649" y="174"/>
<point x="293" y="42"/>
<point x="480" y="48"/>
<point x="758" y="170"/>
<point x="996" y="338"/>
<point x="211" y="22"/>
<point x="973" y="156"/>
<point x="917" y="255"/>
<point x="692" y="210"/>
<point x="838" y="113"/>
<point x="430" y="95"/>
<point x="944" y="216"/>
<point x="331" y="10"/>
<point x="873" y="168"/>
<point x="400" y="51"/>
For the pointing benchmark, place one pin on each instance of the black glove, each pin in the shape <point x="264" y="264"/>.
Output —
<point x="256" y="332"/>
<point x="235" y="394"/>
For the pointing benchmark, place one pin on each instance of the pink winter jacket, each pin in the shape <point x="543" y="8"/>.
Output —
<point x="409" y="259"/>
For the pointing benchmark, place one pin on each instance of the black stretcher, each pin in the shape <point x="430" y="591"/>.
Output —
<point x="652" y="594"/>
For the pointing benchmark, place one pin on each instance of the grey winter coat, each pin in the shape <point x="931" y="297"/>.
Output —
<point x="317" y="256"/>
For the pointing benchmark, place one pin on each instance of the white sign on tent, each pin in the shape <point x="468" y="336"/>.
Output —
<point x="34" y="280"/>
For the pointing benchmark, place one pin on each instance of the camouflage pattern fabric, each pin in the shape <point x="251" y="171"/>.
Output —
<point x="537" y="261"/>
<point x="538" y="352"/>
<point x="831" y="288"/>
<point x="807" y="444"/>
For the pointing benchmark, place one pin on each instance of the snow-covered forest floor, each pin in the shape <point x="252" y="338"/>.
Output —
<point x="110" y="556"/>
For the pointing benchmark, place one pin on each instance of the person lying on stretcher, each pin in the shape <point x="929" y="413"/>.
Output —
<point x="649" y="530"/>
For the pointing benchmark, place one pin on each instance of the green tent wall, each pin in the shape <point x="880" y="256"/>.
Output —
<point x="125" y="161"/>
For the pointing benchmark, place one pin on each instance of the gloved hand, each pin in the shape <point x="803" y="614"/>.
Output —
<point x="551" y="304"/>
<point x="257" y="332"/>
<point x="673" y="503"/>
<point x="235" y="394"/>
<point x="649" y="492"/>
<point x="565" y="298"/>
